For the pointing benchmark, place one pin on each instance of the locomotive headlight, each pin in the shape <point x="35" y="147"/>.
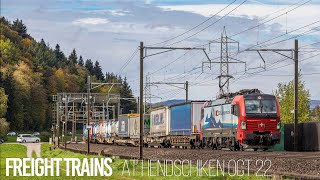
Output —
<point x="278" y="125"/>
<point x="243" y="125"/>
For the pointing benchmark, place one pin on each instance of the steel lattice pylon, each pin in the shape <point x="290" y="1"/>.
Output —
<point x="224" y="65"/>
<point x="224" y="62"/>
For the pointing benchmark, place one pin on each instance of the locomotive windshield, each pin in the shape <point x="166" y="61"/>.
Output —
<point x="260" y="106"/>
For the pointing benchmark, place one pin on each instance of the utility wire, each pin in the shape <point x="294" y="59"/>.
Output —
<point x="209" y="25"/>
<point x="194" y="26"/>
<point x="128" y="60"/>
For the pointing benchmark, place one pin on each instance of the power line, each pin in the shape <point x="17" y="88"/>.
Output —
<point x="194" y="26"/>
<point x="254" y="73"/>
<point x="306" y="32"/>
<point x="210" y="24"/>
<point x="128" y="60"/>
<point x="271" y="18"/>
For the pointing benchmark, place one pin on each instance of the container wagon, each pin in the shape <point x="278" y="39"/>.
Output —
<point x="177" y="125"/>
<point x="159" y="127"/>
<point x="246" y="119"/>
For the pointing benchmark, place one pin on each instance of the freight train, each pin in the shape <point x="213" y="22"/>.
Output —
<point x="238" y="121"/>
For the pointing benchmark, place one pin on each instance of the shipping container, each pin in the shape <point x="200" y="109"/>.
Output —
<point x="160" y="121"/>
<point x="185" y="118"/>
<point x="102" y="131"/>
<point x="124" y="124"/>
<point x="134" y="127"/>
<point x="85" y="131"/>
<point x="95" y="130"/>
<point x="108" y="129"/>
<point x="114" y="127"/>
<point x="146" y="124"/>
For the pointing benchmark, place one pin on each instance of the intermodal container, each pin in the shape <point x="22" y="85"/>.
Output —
<point x="159" y="121"/>
<point x="185" y="118"/>
<point x="114" y="127"/>
<point x="124" y="130"/>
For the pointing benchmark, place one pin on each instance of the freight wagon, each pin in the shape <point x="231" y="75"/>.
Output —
<point x="177" y="125"/>
<point x="159" y="126"/>
<point x="95" y="132"/>
<point x="129" y="129"/>
<point x="85" y="131"/>
<point x="246" y="119"/>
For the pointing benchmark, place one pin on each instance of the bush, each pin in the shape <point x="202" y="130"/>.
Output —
<point x="44" y="136"/>
<point x="5" y="138"/>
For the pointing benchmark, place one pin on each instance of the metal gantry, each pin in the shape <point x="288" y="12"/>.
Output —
<point x="295" y="57"/>
<point x="143" y="50"/>
<point x="73" y="107"/>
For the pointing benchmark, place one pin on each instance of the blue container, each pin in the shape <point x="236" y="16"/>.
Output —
<point x="180" y="119"/>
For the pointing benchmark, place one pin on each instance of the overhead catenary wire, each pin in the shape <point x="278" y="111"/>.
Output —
<point x="209" y="24"/>
<point x="269" y="41"/>
<point x="127" y="62"/>
<point x="271" y="18"/>
<point x="193" y="28"/>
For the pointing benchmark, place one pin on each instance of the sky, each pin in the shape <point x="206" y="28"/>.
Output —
<point x="110" y="31"/>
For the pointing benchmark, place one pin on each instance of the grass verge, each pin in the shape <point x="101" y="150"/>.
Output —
<point x="119" y="166"/>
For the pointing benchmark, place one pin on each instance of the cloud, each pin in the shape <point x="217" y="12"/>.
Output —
<point x="90" y="21"/>
<point x="109" y="31"/>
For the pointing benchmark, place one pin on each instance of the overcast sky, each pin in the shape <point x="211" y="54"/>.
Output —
<point x="110" y="31"/>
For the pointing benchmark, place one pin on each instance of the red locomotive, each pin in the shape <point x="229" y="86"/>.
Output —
<point x="246" y="119"/>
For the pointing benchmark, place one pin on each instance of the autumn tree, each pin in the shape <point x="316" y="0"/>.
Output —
<point x="4" y="125"/>
<point x="285" y="95"/>
<point x="315" y="113"/>
<point x="31" y="72"/>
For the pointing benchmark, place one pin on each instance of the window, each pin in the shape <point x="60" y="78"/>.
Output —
<point x="235" y="110"/>
<point x="268" y="106"/>
<point x="261" y="106"/>
<point x="252" y="106"/>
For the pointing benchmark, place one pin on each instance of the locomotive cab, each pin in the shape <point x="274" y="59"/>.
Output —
<point x="258" y="120"/>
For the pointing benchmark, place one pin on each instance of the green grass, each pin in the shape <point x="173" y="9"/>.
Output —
<point x="10" y="151"/>
<point x="117" y="166"/>
<point x="11" y="139"/>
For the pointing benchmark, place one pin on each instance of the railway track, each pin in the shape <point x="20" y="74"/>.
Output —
<point x="301" y="165"/>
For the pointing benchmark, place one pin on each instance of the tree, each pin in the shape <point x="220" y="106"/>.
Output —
<point x="97" y="71"/>
<point x="60" y="58"/>
<point x="4" y="127"/>
<point x="126" y="92"/>
<point x="20" y="28"/>
<point x="285" y="95"/>
<point x="81" y="63"/>
<point x="315" y="114"/>
<point x="89" y="66"/>
<point x="3" y="103"/>
<point x="73" y="57"/>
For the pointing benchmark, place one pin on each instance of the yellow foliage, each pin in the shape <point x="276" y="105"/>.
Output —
<point x="26" y="42"/>
<point x="23" y="76"/>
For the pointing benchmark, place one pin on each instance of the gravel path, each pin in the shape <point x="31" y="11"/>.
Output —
<point x="306" y="163"/>
<point x="36" y="147"/>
